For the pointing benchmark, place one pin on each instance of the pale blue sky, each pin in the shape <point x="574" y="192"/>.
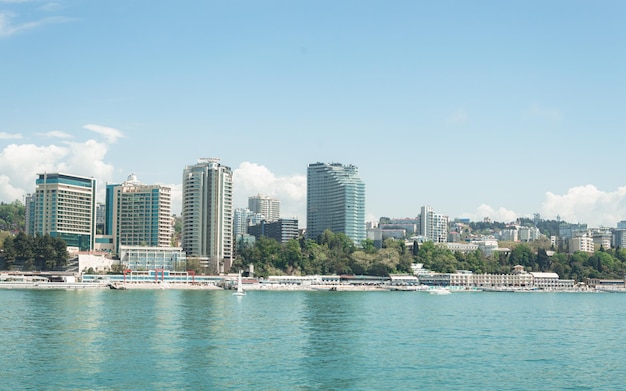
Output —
<point x="478" y="108"/>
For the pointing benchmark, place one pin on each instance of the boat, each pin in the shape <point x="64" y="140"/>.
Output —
<point x="439" y="291"/>
<point x="117" y="287"/>
<point x="240" y="291"/>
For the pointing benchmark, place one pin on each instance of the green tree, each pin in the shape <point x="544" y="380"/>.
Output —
<point x="543" y="260"/>
<point x="23" y="245"/>
<point x="8" y="253"/>
<point x="368" y="246"/>
<point x="522" y="255"/>
<point x="12" y="216"/>
<point x="62" y="255"/>
<point x="291" y="257"/>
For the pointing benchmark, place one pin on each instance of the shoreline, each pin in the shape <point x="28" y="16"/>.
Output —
<point x="280" y="287"/>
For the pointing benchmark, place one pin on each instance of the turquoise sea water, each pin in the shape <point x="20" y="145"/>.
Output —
<point x="211" y="340"/>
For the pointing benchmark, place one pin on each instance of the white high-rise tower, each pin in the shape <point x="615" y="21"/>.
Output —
<point x="207" y="213"/>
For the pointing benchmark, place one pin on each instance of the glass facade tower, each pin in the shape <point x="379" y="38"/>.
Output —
<point x="335" y="201"/>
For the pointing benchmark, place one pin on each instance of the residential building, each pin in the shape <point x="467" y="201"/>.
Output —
<point x="268" y="207"/>
<point x="582" y="243"/>
<point x="602" y="238"/>
<point x="208" y="213"/>
<point x="433" y="226"/>
<point x="138" y="214"/>
<point x="509" y="235"/>
<point x="282" y="230"/>
<point x="568" y="231"/>
<point x="528" y="234"/>
<point x="335" y="201"/>
<point x="64" y="206"/>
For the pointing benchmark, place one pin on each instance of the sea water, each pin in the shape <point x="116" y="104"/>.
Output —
<point x="212" y="340"/>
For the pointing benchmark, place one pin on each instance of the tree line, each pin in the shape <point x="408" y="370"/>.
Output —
<point x="12" y="216"/>
<point x="33" y="252"/>
<point x="331" y="253"/>
<point x="335" y="253"/>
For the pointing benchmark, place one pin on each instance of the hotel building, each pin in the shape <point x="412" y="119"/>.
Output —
<point x="64" y="206"/>
<point x="207" y="213"/>
<point x="138" y="214"/>
<point x="335" y="201"/>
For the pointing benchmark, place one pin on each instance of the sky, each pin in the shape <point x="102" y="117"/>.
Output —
<point x="497" y="109"/>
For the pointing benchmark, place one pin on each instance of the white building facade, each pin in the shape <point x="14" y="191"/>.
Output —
<point x="582" y="243"/>
<point x="207" y="213"/>
<point x="138" y="214"/>
<point x="267" y="206"/>
<point x="433" y="226"/>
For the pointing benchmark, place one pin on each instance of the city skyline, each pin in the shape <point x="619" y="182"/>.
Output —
<point x="480" y="109"/>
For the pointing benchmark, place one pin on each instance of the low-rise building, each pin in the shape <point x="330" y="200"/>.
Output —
<point x="150" y="258"/>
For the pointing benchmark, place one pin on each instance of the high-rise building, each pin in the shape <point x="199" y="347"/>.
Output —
<point x="268" y="207"/>
<point x="243" y="218"/>
<point x="138" y="214"/>
<point x="208" y="213"/>
<point x="335" y="201"/>
<point x="64" y="206"/>
<point x="433" y="226"/>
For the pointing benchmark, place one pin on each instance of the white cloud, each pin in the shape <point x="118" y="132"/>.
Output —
<point x="501" y="214"/>
<point x="56" y="134"/>
<point x="251" y="179"/>
<point x="587" y="204"/>
<point x="537" y="111"/>
<point x="458" y="117"/>
<point x="110" y="134"/>
<point x="10" y="136"/>
<point x="8" y="28"/>
<point x="20" y="164"/>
